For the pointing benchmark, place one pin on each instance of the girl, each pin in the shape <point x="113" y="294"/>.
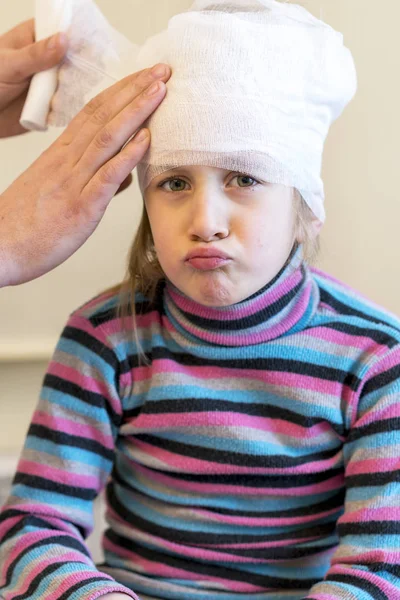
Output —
<point x="239" y="406"/>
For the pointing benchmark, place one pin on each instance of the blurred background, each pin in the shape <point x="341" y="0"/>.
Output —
<point x="360" y="170"/>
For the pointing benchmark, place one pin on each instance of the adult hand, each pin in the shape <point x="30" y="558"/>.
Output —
<point x="55" y="205"/>
<point x="20" y="58"/>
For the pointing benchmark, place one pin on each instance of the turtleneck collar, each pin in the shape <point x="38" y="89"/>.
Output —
<point x="285" y="305"/>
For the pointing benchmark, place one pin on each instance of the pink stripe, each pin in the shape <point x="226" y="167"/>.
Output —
<point x="264" y="521"/>
<point x="202" y="488"/>
<point x="276" y="378"/>
<point x="156" y="569"/>
<point x="97" y="302"/>
<point x="72" y="428"/>
<point x="373" y="556"/>
<point x="59" y="475"/>
<point x="223" y="419"/>
<point x="342" y="339"/>
<point x="386" y="513"/>
<point x="373" y="465"/>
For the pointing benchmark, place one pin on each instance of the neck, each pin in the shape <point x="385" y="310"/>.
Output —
<point x="285" y="304"/>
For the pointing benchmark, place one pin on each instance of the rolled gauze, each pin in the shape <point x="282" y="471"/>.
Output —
<point x="255" y="86"/>
<point x="98" y="56"/>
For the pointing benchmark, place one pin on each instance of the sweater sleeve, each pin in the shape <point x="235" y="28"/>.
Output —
<point x="366" y="564"/>
<point x="67" y="458"/>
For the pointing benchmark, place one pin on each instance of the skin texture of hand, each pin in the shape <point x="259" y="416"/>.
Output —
<point x="56" y="204"/>
<point x="20" y="58"/>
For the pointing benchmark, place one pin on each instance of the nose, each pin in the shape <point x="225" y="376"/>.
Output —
<point x="208" y="216"/>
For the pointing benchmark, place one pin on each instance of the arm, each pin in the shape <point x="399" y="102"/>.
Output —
<point x="366" y="565"/>
<point x="57" y="203"/>
<point x="67" y="458"/>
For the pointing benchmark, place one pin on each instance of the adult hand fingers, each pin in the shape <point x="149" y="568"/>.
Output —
<point x="18" y="65"/>
<point x="102" y="187"/>
<point x="19" y="36"/>
<point x="111" y="138"/>
<point x="101" y="109"/>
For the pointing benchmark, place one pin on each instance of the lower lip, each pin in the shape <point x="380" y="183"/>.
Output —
<point x="205" y="264"/>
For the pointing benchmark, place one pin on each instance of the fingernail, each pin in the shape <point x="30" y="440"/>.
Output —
<point x="141" y="136"/>
<point x="159" y="71"/>
<point x="153" y="89"/>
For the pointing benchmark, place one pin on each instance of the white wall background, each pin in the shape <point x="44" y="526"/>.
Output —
<point x="359" y="240"/>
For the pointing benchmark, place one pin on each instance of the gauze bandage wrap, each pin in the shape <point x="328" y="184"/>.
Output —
<point x="255" y="87"/>
<point x="97" y="57"/>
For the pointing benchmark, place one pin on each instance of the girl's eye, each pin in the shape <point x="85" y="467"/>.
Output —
<point x="245" y="181"/>
<point x="176" y="184"/>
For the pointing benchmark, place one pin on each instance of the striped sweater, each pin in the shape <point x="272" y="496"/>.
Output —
<point x="256" y="455"/>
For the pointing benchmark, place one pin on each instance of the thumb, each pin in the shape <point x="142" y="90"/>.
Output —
<point x="35" y="57"/>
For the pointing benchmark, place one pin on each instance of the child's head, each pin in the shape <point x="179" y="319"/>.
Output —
<point x="255" y="86"/>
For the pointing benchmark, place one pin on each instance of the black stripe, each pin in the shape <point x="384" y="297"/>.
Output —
<point x="64" y="386"/>
<point x="380" y="381"/>
<point x="374" y="428"/>
<point x="345" y="309"/>
<point x="66" y="439"/>
<point x="40" y="483"/>
<point x="281" y="553"/>
<point x="372" y="479"/>
<point x="66" y="541"/>
<point x="380" y="528"/>
<point x="82" y="584"/>
<point x="294" y="367"/>
<point x="377" y="335"/>
<point x="211" y="570"/>
<point x="335" y="502"/>
<point x="362" y="584"/>
<point x="254" y="409"/>
<point x="198" y="537"/>
<point x="226" y="457"/>
<point x="91" y="343"/>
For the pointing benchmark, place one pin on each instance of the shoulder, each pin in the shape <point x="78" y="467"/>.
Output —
<point x="108" y="315"/>
<point x="345" y="307"/>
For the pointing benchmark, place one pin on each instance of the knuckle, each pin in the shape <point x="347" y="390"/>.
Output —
<point x="103" y="139"/>
<point x="109" y="174"/>
<point x="91" y="107"/>
<point x="102" y="115"/>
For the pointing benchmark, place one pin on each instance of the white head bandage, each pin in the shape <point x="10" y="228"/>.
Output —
<point x="255" y="86"/>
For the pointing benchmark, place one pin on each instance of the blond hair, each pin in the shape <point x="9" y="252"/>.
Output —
<point x="144" y="272"/>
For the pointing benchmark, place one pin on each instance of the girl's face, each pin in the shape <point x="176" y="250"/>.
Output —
<point x="219" y="235"/>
